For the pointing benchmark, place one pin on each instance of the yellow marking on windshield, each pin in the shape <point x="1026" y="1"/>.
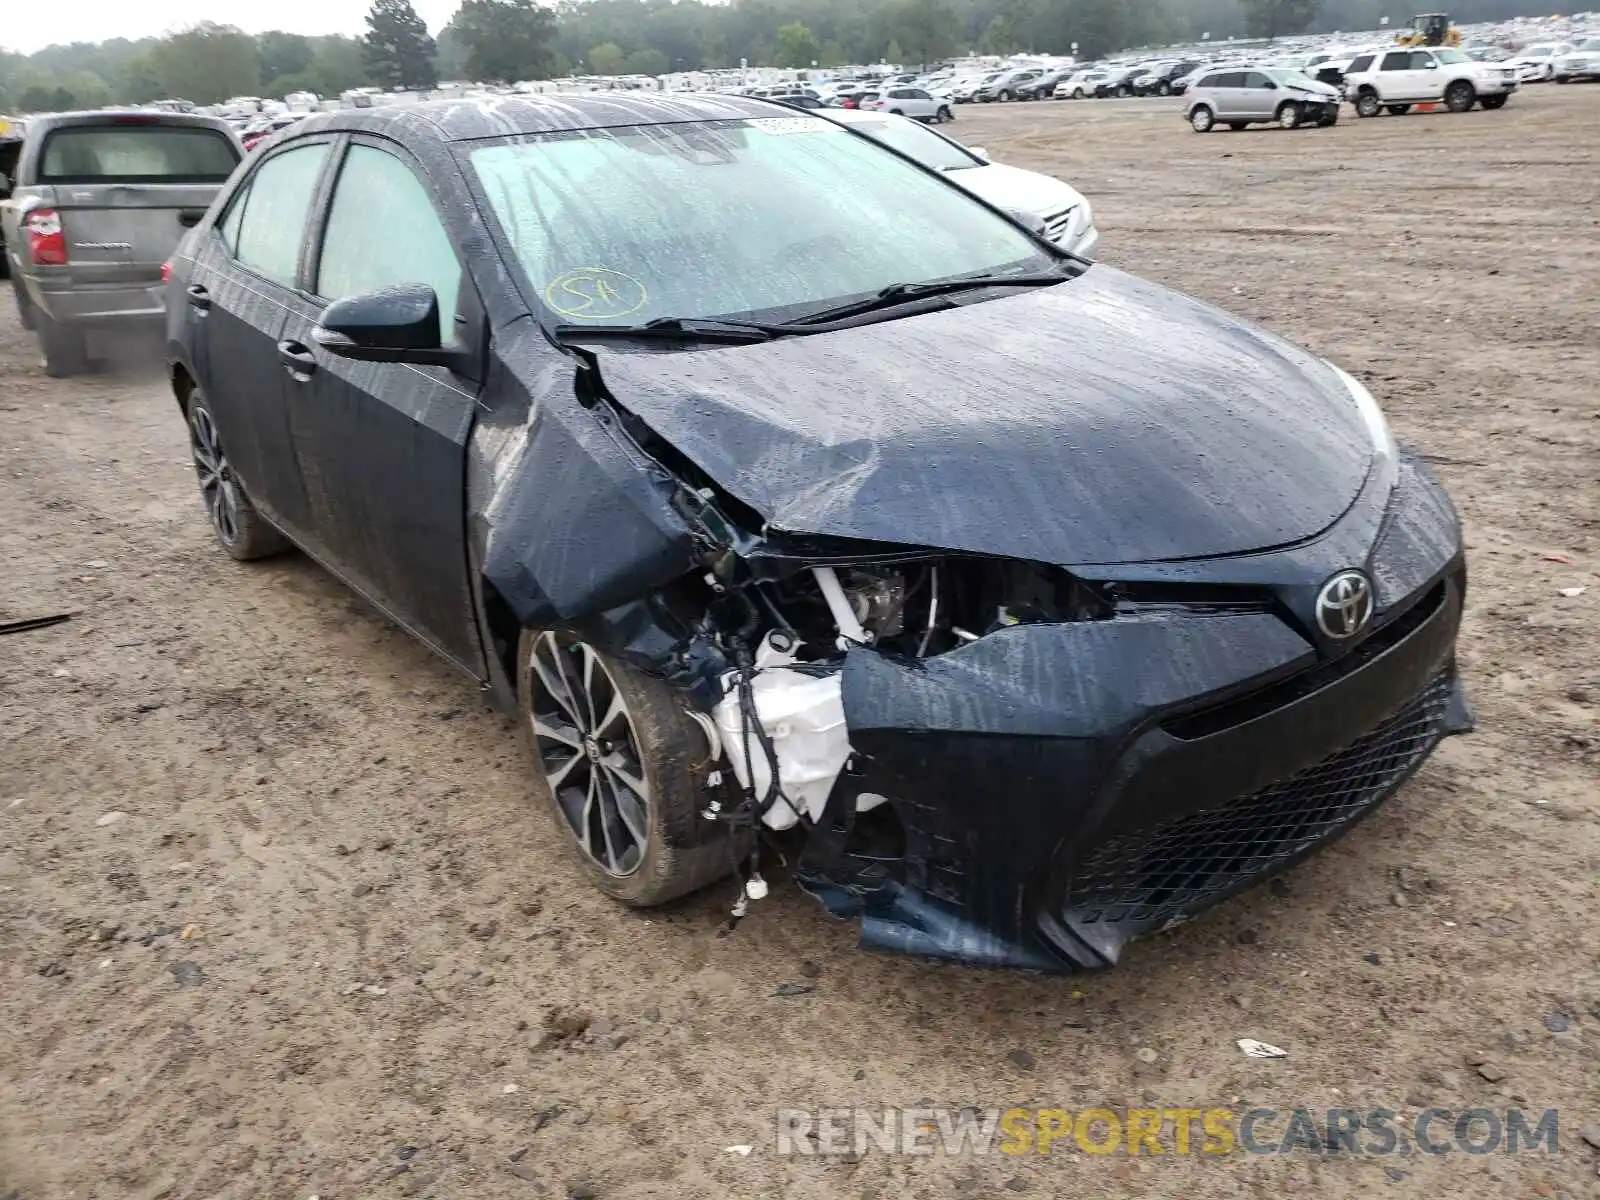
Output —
<point x="595" y="294"/>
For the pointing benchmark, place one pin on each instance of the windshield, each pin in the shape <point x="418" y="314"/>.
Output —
<point x="1538" y="51"/>
<point x="1451" y="56"/>
<point x="776" y="216"/>
<point x="1591" y="44"/>
<point x="1285" y="75"/>
<point x="920" y="143"/>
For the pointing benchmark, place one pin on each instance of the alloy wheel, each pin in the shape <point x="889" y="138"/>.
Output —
<point x="590" y="753"/>
<point x="218" y="489"/>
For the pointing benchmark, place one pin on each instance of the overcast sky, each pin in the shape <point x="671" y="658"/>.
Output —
<point x="97" y="20"/>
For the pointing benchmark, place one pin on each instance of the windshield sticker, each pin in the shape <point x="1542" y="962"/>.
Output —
<point x="595" y="294"/>
<point x="781" y="126"/>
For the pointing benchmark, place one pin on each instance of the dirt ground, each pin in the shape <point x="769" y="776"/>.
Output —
<point x="277" y="918"/>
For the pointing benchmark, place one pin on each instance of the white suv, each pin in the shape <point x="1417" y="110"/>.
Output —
<point x="1396" y="79"/>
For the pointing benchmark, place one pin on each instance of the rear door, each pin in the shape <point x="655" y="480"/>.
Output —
<point x="246" y="277"/>
<point x="1230" y="94"/>
<point x="1396" y="80"/>
<point x="382" y="446"/>
<point x="127" y="187"/>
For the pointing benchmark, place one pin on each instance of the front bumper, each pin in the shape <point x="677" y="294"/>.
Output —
<point x="1063" y="789"/>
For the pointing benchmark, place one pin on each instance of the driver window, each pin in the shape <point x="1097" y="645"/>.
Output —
<point x="383" y="232"/>
<point x="1421" y="60"/>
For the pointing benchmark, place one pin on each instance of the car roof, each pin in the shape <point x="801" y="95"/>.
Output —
<point x="502" y="116"/>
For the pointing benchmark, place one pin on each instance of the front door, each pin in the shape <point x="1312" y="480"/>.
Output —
<point x="1259" y="97"/>
<point x="382" y="446"/>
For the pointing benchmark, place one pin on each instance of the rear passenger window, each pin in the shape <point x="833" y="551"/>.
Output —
<point x="1396" y="61"/>
<point x="382" y="232"/>
<point x="273" y="222"/>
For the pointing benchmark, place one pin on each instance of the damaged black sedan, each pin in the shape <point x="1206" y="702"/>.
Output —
<point x="779" y="484"/>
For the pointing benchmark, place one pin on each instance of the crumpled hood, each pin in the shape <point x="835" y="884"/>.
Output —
<point x="1102" y="420"/>
<point x="1014" y="188"/>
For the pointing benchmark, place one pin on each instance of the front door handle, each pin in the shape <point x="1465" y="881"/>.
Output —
<point x="298" y="360"/>
<point x="190" y="217"/>
<point x="198" y="297"/>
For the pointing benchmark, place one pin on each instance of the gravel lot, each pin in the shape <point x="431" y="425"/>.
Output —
<point x="278" y="919"/>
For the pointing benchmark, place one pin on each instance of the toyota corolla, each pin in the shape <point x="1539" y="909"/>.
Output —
<point x="779" y="484"/>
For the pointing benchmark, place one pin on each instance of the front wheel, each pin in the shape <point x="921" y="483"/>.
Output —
<point x="1202" y="119"/>
<point x="1288" y="115"/>
<point x="944" y="114"/>
<point x="1493" y="102"/>
<point x="1164" y="88"/>
<point x="1077" y="93"/>
<point x="1459" y="97"/>
<point x="242" y="531"/>
<point x="619" y="761"/>
<point x="1367" y="104"/>
<point x="1006" y="95"/>
<point x="1124" y="92"/>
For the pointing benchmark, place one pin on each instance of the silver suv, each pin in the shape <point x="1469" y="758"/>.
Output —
<point x="1240" y="96"/>
<point x="99" y="203"/>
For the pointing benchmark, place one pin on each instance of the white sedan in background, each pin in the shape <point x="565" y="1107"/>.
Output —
<point x="907" y="101"/>
<point x="1067" y="218"/>
<point x="1536" y="64"/>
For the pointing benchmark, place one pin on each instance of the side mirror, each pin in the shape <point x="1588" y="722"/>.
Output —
<point x="978" y="152"/>
<point x="395" y="325"/>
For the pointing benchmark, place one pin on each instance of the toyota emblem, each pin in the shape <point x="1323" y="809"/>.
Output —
<point x="1344" y="605"/>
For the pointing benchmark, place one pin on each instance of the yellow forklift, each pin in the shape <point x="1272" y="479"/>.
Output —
<point x="1430" y="29"/>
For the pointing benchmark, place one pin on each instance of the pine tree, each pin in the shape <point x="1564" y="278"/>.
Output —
<point x="397" y="49"/>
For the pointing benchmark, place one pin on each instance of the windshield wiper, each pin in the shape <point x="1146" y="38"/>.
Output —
<point x="675" y="329"/>
<point x="900" y="293"/>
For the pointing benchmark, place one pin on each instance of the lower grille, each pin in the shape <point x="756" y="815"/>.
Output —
<point x="1148" y="879"/>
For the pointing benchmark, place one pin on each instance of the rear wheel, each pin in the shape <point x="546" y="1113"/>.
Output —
<point x="1288" y="116"/>
<point x="1006" y="94"/>
<point x="1164" y="88"/>
<point x="243" y="532"/>
<point x="618" y="758"/>
<point x="63" y="347"/>
<point x="1460" y="96"/>
<point x="1493" y="102"/>
<point x="1202" y="119"/>
<point x="1367" y="103"/>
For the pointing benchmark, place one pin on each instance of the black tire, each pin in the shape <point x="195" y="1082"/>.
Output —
<point x="896" y="112"/>
<point x="944" y="114"/>
<point x="656" y="744"/>
<point x="1493" y="102"/>
<point x="1288" y="115"/>
<point x="1460" y="96"/>
<point x="1124" y="91"/>
<point x="239" y="529"/>
<point x="1331" y="119"/>
<point x="1164" y="88"/>
<point x="1563" y="78"/>
<point x="62" y="345"/>
<point x="1006" y="94"/>
<point x="1202" y="119"/>
<point x="1398" y="110"/>
<point x="1367" y="103"/>
<point x="1077" y="93"/>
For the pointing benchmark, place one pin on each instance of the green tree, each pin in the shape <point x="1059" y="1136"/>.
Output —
<point x="928" y="30"/>
<point x="1275" y="18"/>
<point x="207" y="63"/>
<point x="606" y="59"/>
<point x="397" y="49"/>
<point x="138" y="82"/>
<point x="648" y="61"/>
<point x="283" y="54"/>
<point x="338" y="64"/>
<point x="794" y="45"/>
<point x="506" y="40"/>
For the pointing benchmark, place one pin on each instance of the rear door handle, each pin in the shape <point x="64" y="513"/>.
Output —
<point x="298" y="360"/>
<point x="198" y="297"/>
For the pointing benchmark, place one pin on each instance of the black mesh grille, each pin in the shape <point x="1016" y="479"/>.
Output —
<point x="1149" y="878"/>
